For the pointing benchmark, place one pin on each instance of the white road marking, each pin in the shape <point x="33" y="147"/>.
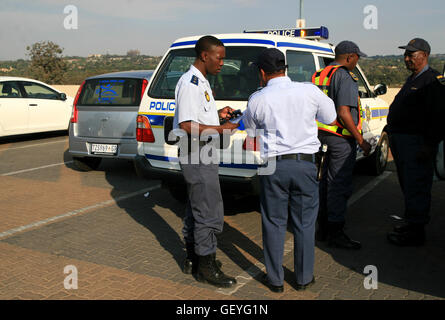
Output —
<point x="33" y="169"/>
<point x="33" y="145"/>
<point x="252" y="272"/>
<point x="76" y="212"/>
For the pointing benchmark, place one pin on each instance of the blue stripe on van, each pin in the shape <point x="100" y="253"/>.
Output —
<point x="302" y="46"/>
<point x="251" y="41"/>
<point x="224" y="165"/>
<point x="156" y="120"/>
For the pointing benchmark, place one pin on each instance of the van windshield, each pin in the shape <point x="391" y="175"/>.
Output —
<point x="111" y="92"/>
<point x="237" y="80"/>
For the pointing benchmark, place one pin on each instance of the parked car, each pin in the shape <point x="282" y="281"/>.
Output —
<point x="29" y="106"/>
<point x="103" y="124"/>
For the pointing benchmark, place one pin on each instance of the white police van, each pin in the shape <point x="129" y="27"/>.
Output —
<point x="158" y="158"/>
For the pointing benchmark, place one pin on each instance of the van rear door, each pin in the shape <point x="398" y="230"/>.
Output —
<point x="107" y="108"/>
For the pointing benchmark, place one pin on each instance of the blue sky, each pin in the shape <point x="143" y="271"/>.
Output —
<point x="152" y="25"/>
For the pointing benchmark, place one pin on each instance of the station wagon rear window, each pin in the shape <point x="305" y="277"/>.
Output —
<point x="111" y="92"/>
<point x="237" y="80"/>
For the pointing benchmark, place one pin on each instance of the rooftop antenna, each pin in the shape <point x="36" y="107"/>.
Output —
<point x="301" y="22"/>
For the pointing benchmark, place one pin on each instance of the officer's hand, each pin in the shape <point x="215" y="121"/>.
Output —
<point x="225" y="113"/>
<point x="366" y="147"/>
<point x="229" y="125"/>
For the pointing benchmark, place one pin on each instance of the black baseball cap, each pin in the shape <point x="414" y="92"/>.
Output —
<point x="271" y="60"/>
<point x="348" y="47"/>
<point x="417" y="44"/>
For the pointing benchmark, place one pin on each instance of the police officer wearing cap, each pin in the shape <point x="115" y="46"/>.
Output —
<point x="195" y="115"/>
<point x="413" y="151"/>
<point x="283" y="115"/>
<point x="339" y="82"/>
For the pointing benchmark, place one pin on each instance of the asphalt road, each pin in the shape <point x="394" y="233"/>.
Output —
<point x="123" y="235"/>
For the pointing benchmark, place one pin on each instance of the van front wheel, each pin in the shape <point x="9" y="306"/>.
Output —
<point x="378" y="160"/>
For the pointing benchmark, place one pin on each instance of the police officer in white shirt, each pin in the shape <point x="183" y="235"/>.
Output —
<point x="285" y="112"/>
<point x="196" y="115"/>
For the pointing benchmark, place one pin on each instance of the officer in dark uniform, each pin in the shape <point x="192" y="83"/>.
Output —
<point x="339" y="82"/>
<point x="413" y="143"/>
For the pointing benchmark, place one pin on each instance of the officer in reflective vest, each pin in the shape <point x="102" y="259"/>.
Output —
<point x="339" y="82"/>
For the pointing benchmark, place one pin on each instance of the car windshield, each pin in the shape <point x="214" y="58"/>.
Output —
<point x="237" y="80"/>
<point x="111" y="92"/>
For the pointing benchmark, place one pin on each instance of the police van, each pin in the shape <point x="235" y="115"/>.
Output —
<point x="305" y="53"/>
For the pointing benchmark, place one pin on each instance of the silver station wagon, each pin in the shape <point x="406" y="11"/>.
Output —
<point x="103" y="122"/>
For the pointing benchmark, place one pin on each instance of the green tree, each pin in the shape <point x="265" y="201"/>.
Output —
<point x="47" y="64"/>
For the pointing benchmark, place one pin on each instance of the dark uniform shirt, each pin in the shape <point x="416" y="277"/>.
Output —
<point x="433" y="98"/>
<point x="407" y="112"/>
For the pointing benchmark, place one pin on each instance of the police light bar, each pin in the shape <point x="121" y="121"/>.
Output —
<point x="307" y="33"/>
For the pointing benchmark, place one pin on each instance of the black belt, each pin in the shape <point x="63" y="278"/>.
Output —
<point x="297" y="156"/>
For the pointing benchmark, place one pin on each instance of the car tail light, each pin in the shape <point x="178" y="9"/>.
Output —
<point x="143" y="130"/>
<point x="75" y="111"/>
<point x="251" y="144"/>
<point x="144" y="86"/>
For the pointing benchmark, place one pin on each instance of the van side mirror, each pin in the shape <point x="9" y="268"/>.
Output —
<point x="380" y="89"/>
<point x="62" y="96"/>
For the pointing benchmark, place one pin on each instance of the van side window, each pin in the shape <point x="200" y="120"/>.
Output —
<point x="301" y="65"/>
<point x="324" y="61"/>
<point x="237" y="80"/>
<point x="363" y="89"/>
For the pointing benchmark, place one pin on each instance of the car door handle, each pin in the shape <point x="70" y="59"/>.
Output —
<point x="33" y="104"/>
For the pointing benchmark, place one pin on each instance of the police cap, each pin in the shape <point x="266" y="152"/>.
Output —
<point x="348" y="47"/>
<point x="271" y="60"/>
<point x="417" y="44"/>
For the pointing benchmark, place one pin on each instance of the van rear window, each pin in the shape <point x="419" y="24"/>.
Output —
<point x="237" y="80"/>
<point x="111" y="92"/>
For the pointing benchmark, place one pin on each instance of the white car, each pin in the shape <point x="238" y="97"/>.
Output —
<point x="238" y="79"/>
<point x="29" y="106"/>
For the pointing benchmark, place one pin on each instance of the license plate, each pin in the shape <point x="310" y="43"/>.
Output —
<point x="104" y="148"/>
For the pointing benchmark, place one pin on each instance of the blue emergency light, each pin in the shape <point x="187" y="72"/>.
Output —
<point x="309" y="33"/>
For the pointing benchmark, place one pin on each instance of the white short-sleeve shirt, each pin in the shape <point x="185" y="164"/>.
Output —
<point x="286" y="112"/>
<point x="194" y="100"/>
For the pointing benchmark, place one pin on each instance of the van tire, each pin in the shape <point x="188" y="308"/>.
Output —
<point x="86" y="163"/>
<point x="379" y="159"/>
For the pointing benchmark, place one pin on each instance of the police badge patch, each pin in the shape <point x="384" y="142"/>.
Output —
<point x="207" y="96"/>
<point x="441" y="79"/>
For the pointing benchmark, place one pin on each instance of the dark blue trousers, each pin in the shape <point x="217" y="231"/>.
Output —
<point x="415" y="177"/>
<point x="336" y="183"/>
<point x="204" y="214"/>
<point x="290" y="193"/>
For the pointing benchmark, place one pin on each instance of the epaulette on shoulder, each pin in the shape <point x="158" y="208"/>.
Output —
<point x="194" y="80"/>
<point x="353" y="76"/>
<point x="441" y="79"/>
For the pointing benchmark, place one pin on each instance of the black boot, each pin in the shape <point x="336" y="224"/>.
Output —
<point x="408" y="235"/>
<point x="209" y="272"/>
<point x="190" y="265"/>
<point x="337" y="238"/>
<point x="191" y="261"/>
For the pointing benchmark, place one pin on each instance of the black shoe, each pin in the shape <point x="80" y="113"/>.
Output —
<point x="339" y="239"/>
<point x="209" y="272"/>
<point x="301" y="287"/>
<point x="190" y="265"/>
<point x="276" y="289"/>
<point x="409" y="236"/>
